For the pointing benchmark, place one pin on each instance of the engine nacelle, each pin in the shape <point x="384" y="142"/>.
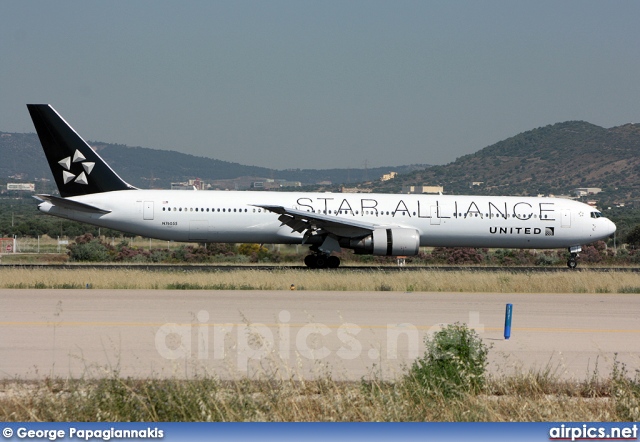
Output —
<point x="388" y="242"/>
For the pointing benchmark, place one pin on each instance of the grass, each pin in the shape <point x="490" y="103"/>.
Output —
<point x="341" y="280"/>
<point x="530" y="396"/>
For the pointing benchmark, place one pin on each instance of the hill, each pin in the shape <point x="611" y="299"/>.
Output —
<point x="21" y="156"/>
<point x="549" y="160"/>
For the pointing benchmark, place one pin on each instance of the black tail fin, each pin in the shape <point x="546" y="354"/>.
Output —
<point x="76" y="167"/>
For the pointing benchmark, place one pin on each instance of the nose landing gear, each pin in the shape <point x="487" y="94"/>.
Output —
<point x="572" y="262"/>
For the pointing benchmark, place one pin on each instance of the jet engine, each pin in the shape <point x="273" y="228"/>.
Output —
<point x="387" y="242"/>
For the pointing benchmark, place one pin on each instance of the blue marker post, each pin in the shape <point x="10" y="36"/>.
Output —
<point x="507" y="321"/>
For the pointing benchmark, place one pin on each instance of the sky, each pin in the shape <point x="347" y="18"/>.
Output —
<point x="319" y="84"/>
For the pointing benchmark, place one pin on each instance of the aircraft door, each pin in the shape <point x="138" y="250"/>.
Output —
<point x="566" y="218"/>
<point x="147" y="210"/>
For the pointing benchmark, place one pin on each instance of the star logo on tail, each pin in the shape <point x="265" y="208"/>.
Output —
<point x="81" y="178"/>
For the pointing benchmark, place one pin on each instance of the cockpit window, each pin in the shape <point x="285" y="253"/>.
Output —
<point x="596" y="214"/>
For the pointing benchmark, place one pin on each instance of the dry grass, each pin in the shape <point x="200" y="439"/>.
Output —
<point x="116" y="399"/>
<point x="341" y="280"/>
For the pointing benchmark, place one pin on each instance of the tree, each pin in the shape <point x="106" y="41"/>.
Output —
<point x="633" y="237"/>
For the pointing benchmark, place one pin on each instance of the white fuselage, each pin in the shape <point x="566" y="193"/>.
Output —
<point x="441" y="220"/>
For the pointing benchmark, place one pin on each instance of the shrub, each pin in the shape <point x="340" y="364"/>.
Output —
<point x="459" y="255"/>
<point x="546" y="260"/>
<point x="257" y="253"/>
<point x="88" y="248"/>
<point x="454" y="364"/>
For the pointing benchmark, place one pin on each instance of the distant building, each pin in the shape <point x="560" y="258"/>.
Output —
<point x="196" y="184"/>
<point x="285" y="183"/>
<point x="584" y="191"/>
<point x="28" y="187"/>
<point x="181" y="186"/>
<point x="422" y="189"/>
<point x="269" y="184"/>
<point x="388" y="176"/>
<point x="355" y="190"/>
<point x="476" y="183"/>
<point x="239" y="183"/>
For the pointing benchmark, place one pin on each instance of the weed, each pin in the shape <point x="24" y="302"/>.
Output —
<point x="454" y="364"/>
<point x="626" y="392"/>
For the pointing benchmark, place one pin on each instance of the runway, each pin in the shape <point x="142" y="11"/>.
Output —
<point x="301" y="334"/>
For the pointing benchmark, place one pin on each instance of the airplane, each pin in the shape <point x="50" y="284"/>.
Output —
<point x="377" y="224"/>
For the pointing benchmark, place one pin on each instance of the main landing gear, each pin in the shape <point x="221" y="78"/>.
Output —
<point x="572" y="262"/>
<point x="321" y="261"/>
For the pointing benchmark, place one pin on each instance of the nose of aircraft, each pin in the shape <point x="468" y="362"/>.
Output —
<point x="611" y="227"/>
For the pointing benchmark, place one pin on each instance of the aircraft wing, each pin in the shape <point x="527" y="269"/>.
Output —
<point x="70" y="204"/>
<point x="310" y="223"/>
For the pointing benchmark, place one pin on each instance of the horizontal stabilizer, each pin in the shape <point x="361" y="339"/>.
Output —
<point x="70" y="204"/>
